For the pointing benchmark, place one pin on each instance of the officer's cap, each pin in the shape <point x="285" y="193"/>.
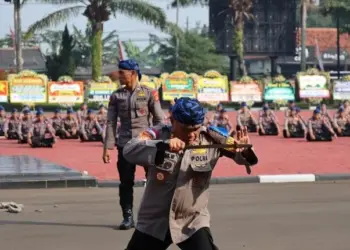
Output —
<point x="223" y="110"/>
<point x="26" y="111"/>
<point x="40" y="112"/>
<point x="70" y="111"/>
<point x="57" y="110"/>
<point x="243" y="104"/>
<point x="14" y="111"/>
<point x="317" y="111"/>
<point x="90" y="111"/>
<point x="266" y="108"/>
<point x="2" y="108"/>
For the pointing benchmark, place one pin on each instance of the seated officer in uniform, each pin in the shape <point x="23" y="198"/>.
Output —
<point x="174" y="207"/>
<point x="24" y="126"/>
<point x="11" y="126"/>
<point x="3" y="119"/>
<point x="41" y="133"/>
<point x="291" y="104"/>
<point x="101" y="117"/>
<point x="90" y="128"/>
<point x="246" y="119"/>
<point x="294" y="127"/>
<point x="223" y="123"/>
<point x="57" y="123"/>
<point x="70" y="126"/>
<point x="267" y="123"/>
<point x="298" y="112"/>
<point x="341" y="123"/>
<point x="318" y="129"/>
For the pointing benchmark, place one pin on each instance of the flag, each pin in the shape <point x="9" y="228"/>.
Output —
<point x="13" y="38"/>
<point x="120" y="49"/>
<point x="318" y="55"/>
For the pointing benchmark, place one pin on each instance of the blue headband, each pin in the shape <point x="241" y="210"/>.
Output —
<point x="265" y="108"/>
<point x="2" y="108"/>
<point x="243" y="104"/>
<point x="69" y="111"/>
<point x="14" y="110"/>
<point x="39" y="112"/>
<point x="57" y="110"/>
<point x="188" y="111"/>
<point x="317" y="111"/>
<point x="89" y="111"/>
<point x="26" y="111"/>
<point x="130" y="65"/>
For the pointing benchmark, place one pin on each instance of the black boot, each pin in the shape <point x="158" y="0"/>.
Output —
<point x="128" y="221"/>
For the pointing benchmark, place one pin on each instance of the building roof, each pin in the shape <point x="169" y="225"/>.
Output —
<point x="33" y="59"/>
<point x="326" y="38"/>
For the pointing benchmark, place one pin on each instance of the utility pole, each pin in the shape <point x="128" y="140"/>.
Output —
<point x="303" y="11"/>
<point x="177" y="37"/>
<point x="18" y="35"/>
<point x="338" y="46"/>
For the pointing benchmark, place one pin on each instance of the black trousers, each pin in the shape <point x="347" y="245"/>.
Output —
<point x="23" y="140"/>
<point x="271" y="131"/>
<point x="91" y="138"/>
<point x="63" y="135"/>
<point x="252" y="128"/>
<point x="126" y="172"/>
<point x="12" y="135"/>
<point x="297" y="134"/>
<point x="39" y="142"/>
<point x="201" y="240"/>
<point x="325" y="135"/>
<point x="2" y="133"/>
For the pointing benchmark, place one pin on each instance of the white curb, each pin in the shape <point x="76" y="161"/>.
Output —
<point x="287" y="178"/>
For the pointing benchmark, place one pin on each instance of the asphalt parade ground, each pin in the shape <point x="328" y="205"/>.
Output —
<point x="304" y="216"/>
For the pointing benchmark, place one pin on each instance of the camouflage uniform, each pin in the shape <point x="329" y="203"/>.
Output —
<point x="90" y="130"/>
<point x="268" y="124"/>
<point x="11" y="127"/>
<point x="295" y="126"/>
<point x="174" y="207"/>
<point x="42" y="134"/>
<point x="245" y="119"/>
<point x="23" y="129"/>
<point x="321" y="130"/>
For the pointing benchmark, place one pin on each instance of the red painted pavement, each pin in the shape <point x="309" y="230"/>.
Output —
<point x="276" y="156"/>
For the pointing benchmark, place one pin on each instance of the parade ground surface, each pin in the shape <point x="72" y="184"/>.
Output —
<point x="277" y="156"/>
<point x="307" y="216"/>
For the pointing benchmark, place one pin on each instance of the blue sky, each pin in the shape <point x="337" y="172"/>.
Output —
<point x="128" y="28"/>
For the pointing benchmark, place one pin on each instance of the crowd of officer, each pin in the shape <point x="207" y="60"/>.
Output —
<point x="320" y="127"/>
<point x="39" y="130"/>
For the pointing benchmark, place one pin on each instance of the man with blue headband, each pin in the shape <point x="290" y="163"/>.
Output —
<point x="294" y="126"/>
<point x="318" y="129"/>
<point x="246" y="119"/>
<point x="41" y="134"/>
<point x="174" y="205"/>
<point x="341" y="123"/>
<point x="70" y="126"/>
<point x="11" y="126"/>
<point x="57" y="123"/>
<point x="133" y="104"/>
<point x="3" y="119"/>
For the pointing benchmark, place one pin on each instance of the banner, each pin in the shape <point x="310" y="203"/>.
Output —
<point x="279" y="91"/>
<point x="313" y="86"/>
<point x="28" y="87"/>
<point x="4" y="92"/>
<point x="178" y="84"/>
<point x="245" y="92"/>
<point x="66" y="92"/>
<point x="212" y="87"/>
<point x="149" y="82"/>
<point x="100" y="92"/>
<point x="341" y="90"/>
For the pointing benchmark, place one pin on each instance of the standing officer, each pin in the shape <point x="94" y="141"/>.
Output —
<point x="174" y="207"/>
<point x="132" y="103"/>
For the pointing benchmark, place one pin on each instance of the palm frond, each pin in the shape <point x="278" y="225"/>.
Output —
<point x="57" y="1"/>
<point x="112" y="35"/>
<point x="140" y="10"/>
<point x="55" y="19"/>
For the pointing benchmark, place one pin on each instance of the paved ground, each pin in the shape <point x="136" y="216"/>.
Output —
<point x="250" y="217"/>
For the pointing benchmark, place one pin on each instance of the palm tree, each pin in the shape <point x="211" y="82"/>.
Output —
<point x="7" y="41"/>
<point x="53" y="40"/>
<point x="97" y="13"/>
<point x="83" y="48"/>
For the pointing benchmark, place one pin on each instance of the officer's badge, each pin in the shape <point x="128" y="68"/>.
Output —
<point x="160" y="176"/>
<point x="141" y="94"/>
<point x="155" y="95"/>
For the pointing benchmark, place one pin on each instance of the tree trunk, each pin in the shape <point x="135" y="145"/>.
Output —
<point x="18" y="35"/>
<point x="303" y="35"/>
<point x="96" y="50"/>
<point x="239" y="44"/>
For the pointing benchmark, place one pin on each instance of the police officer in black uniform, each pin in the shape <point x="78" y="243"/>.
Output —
<point x="132" y="104"/>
